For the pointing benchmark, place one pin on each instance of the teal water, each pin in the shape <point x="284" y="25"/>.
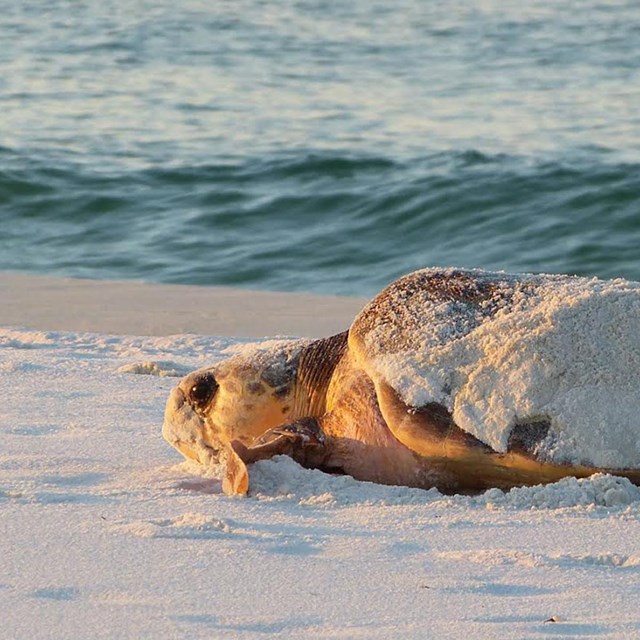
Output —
<point x="318" y="146"/>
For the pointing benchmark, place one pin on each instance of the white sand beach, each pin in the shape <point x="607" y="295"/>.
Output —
<point x="136" y="308"/>
<point x="105" y="532"/>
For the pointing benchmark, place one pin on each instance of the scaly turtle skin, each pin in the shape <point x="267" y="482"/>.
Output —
<point x="380" y="402"/>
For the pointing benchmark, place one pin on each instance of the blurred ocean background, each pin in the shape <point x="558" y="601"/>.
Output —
<point x="318" y="146"/>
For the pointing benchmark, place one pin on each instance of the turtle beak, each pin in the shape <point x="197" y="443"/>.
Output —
<point x="184" y="429"/>
<point x="186" y="450"/>
<point x="170" y="429"/>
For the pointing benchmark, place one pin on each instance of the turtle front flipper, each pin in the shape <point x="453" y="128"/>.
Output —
<point x="302" y="440"/>
<point x="454" y="459"/>
<point x="235" y="481"/>
<point x="458" y="461"/>
<point x="428" y="430"/>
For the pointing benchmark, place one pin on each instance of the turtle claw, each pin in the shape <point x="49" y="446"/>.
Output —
<point x="305" y="432"/>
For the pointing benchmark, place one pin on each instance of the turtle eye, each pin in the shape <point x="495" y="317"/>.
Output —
<point x="202" y="391"/>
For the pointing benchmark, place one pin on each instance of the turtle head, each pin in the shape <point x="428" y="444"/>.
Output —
<point x="237" y="399"/>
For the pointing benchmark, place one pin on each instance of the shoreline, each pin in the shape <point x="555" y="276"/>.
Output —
<point x="56" y="303"/>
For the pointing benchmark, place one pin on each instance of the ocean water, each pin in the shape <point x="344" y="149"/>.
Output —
<point x="318" y="146"/>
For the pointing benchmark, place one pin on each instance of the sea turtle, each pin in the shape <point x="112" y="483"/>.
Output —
<point x="457" y="379"/>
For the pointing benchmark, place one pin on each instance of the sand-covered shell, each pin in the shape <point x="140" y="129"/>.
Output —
<point x="499" y="350"/>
